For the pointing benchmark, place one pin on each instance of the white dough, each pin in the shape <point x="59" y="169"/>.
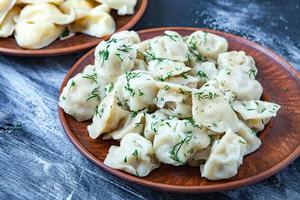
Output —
<point x="80" y="96"/>
<point x="212" y="110"/>
<point x="107" y="117"/>
<point x="124" y="7"/>
<point x="135" y="155"/>
<point x="7" y="26"/>
<point x="225" y="158"/>
<point x="177" y="140"/>
<point x="97" y="23"/>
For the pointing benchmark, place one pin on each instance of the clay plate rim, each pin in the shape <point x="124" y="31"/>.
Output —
<point x="174" y="188"/>
<point x="72" y="49"/>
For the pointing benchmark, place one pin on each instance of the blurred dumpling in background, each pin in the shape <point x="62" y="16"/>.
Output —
<point x="40" y="24"/>
<point x="97" y="23"/>
<point x="81" y="7"/>
<point x="7" y="26"/>
<point x="5" y="6"/>
<point x="39" y="1"/>
<point x="124" y="7"/>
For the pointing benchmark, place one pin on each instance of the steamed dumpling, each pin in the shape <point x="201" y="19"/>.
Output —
<point x="174" y="100"/>
<point x="212" y="110"/>
<point x="7" y="26"/>
<point x="204" y="45"/>
<point x="37" y="35"/>
<point x="205" y="71"/>
<point x="45" y="12"/>
<point x="107" y="117"/>
<point x="81" y="7"/>
<point x="162" y="70"/>
<point x="177" y="140"/>
<point x="152" y="122"/>
<point x="168" y="46"/>
<point x="80" y="96"/>
<point x="135" y="155"/>
<point x="132" y="94"/>
<point x="5" y="6"/>
<point x="240" y="82"/>
<point x="237" y="60"/>
<point x="184" y="80"/>
<point x="133" y="123"/>
<point x="40" y="24"/>
<point x="116" y="56"/>
<point x="225" y="158"/>
<point x="40" y="1"/>
<point x="124" y="7"/>
<point x="255" y="109"/>
<point x="97" y="23"/>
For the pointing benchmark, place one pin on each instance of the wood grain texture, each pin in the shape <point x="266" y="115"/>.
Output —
<point x="281" y="138"/>
<point x="74" y="44"/>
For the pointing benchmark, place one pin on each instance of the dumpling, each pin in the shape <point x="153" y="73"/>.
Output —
<point x="135" y="155"/>
<point x="212" y="110"/>
<point x="40" y="1"/>
<point x="177" y="140"/>
<point x="124" y="7"/>
<point x="168" y="46"/>
<point x="80" y="96"/>
<point x="133" y="95"/>
<point x="239" y="82"/>
<point x="184" y="80"/>
<point x="255" y="109"/>
<point x="127" y="37"/>
<point x="174" y="100"/>
<point x="107" y="117"/>
<point x="37" y="35"/>
<point x="5" y="6"/>
<point x="96" y="23"/>
<point x="162" y="70"/>
<point x="133" y="123"/>
<point x="238" y="60"/>
<point x="205" y="71"/>
<point x="152" y="122"/>
<point x="206" y="45"/>
<point x="81" y="7"/>
<point x="45" y="12"/>
<point x="225" y="158"/>
<point x="114" y="57"/>
<point x="40" y="24"/>
<point x="7" y="26"/>
<point x="253" y="142"/>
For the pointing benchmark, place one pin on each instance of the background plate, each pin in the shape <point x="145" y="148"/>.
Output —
<point x="74" y="44"/>
<point x="280" y="138"/>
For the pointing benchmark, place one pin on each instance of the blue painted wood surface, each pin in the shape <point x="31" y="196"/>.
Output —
<point x="37" y="161"/>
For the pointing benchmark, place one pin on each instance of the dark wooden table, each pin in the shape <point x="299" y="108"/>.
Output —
<point x="37" y="161"/>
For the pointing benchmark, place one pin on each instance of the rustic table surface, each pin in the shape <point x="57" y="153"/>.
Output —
<point x="37" y="161"/>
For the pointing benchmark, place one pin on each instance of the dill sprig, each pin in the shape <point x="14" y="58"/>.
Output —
<point x="136" y="154"/>
<point x="125" y="48"/>
<point x="94" y="94"/>
<point x="178" y="146"/>
<point x="91" y="77"/>
<point x="209" y="95"/>
<point x="202" y="75"/>
<point x="172" y="37"/>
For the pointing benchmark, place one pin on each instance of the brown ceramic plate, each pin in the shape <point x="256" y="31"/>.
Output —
<point x="280" y="139"/>
<point x="74" y="44"/>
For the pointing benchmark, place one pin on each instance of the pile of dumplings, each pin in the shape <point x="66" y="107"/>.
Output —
<point x="171" y="99"/>
<point x="37" y="23"/>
